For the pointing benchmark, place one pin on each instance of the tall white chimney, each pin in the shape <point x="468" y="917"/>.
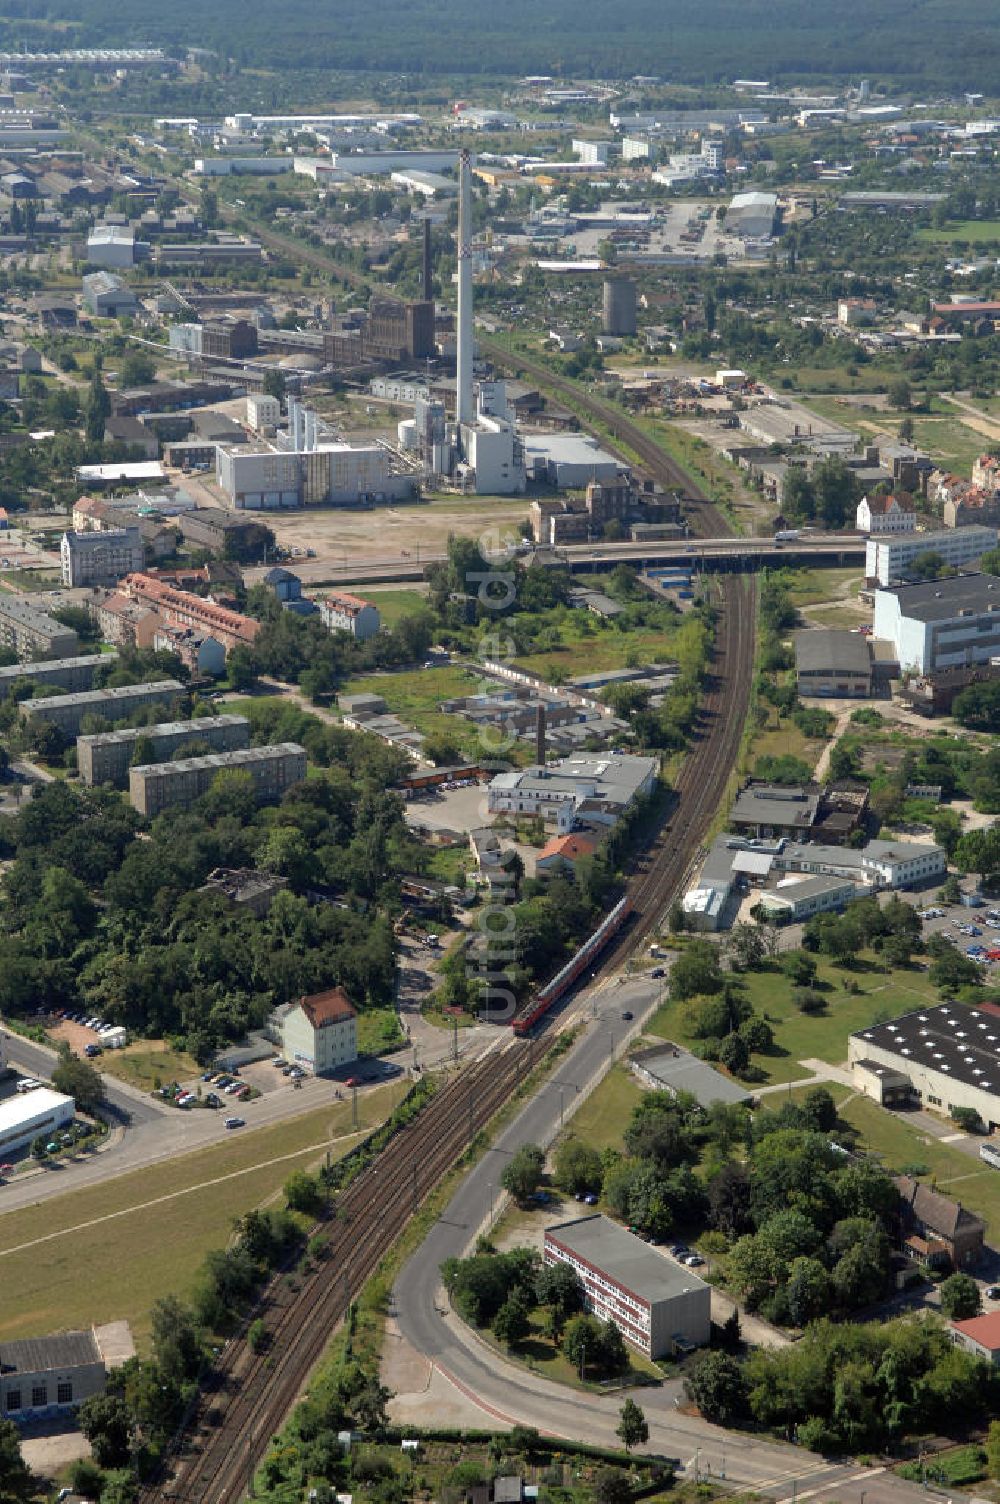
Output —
<point x="464" y="407"/>
<point x="295" y="423"/>
<point x="310" y="443"/>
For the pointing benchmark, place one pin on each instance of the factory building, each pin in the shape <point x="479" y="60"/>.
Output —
<point x="108" y="297"/>
<point x="106" y="757"/>
<point x="329" y="475"/>
<point x="658" y="1305"/>
<point x="154" y="787"/>
<point x="67" y="712"/>
<point x="941" y="624"/>
<point x="944" y="1057"/>
<point x="101" y="558"/>
<point x="46" y="1378"/>
<point x="593" y="789"/>
<point x="888" y="560"/>
<point x="32" y="633"/>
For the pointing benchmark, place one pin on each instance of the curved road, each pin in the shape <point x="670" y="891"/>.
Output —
<point x="510" y="1394"/>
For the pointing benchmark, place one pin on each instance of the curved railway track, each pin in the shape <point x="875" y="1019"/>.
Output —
<point x="249" y="1395"/>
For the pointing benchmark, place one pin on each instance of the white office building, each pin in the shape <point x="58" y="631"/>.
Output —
<point x="328" y="475"/>
<point x="101" y="558"/>
<point x="588" y="787"/>
<point x="34" y="1114"/>
<point x="941" y="624"/>
<point x="888" y="560"/>
<point x="594" y="153"/>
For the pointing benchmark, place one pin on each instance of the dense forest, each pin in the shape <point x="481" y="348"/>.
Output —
<point x="946" y="47"/>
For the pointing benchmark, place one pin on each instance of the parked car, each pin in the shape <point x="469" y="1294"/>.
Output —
<point x="627" y="1016"/>
<point x="693" y="1261"/>
<point x="213" y="1100"/>
<point x="236" y="1122"/>
<point x="658" y="971"/>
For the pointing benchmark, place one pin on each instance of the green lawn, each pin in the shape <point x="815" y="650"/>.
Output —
<point x="949" y="441"/>
<point x="111" y="1250"/>
<point x="975" y="231"/>
<point x="782" y="738"/>
<point x="809" y="587"/>
<point x="589" y="644"/>
<point x="538" y="1352"/>
<point x="602" y="1119"/>
<point x="415" y="695"/>
<point x="801" y="1036"/>
<point x="378" y="1029"/>
<point x="149" y="1064"/>
<point x="392" y="604"/>
<point x="899" y="1142"/>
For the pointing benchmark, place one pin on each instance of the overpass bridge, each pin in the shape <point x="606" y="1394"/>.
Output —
<point x="718" y="555"/>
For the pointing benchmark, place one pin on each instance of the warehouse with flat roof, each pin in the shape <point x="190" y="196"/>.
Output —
<point x="950" y="1056"/>
<point x="32" y="1115"/>
<point x="658" y="1305"/>
<point x="830" y="661"/>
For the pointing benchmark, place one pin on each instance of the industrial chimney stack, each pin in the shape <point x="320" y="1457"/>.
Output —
<point x="428" y="287"/>
<point x="464" y="407"/>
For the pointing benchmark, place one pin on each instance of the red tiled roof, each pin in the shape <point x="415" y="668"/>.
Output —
<point x="982" y="1329"/>
<point x="571" y="847"/>
<point x="330" y="1007"/>
<point x="342" y="601"/>
<point x="882" y="503"/>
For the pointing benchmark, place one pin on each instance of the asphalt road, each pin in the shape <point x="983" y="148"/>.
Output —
<point x="508" y="1393"/>
<point x="127" y="1105"/>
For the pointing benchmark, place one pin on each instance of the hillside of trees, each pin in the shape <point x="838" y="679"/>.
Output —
<point x="715" y="42"/>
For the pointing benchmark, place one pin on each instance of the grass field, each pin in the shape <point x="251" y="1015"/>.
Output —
<point x="108" y="1252"/>
<point x="378" y="1028"/>
<point x="975" y="231"/>
<point x="392" y="604"/>
<point x="602" y="1119"/>
<point x="810" y="587"/>
<point x="588" y="644"/>
<point x="782" y="738"/>
<point x="149" y="1064"/>
<point x="801" y="1036"/>
<point x="415" y="696"/>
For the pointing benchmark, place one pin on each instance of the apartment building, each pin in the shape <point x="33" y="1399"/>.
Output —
<point x="941" y="624"/>
<point x="879" y="515"/>
<point x="658" y="1305"/>
<point x="320" y="1031"/>
<point x="67" y="712"/>
<point x="182" y="608"/>
<point x="32" y="633"/>
<point x="68" y="674"/>
<point x="349" y="613"/>
<point x="101" y="558"/>
<point x="106" y="757"/>
<point x="888" y="560"/>
<point x="154" y="787"/>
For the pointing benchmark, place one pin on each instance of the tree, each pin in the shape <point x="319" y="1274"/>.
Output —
<point x="176" y="1341"/>
<point x="696" y="971"/>
<point x="510" y="1324"/>
<point x="800" y="968"/>
<point x="978" y="706"/>
<point x="979" y="851"/>
<point x="632" y="1430"/>
<point x="899" y="394"/>
<point x="960" y="1297"/>
<point x="746" y="948"/>
<point x="303" y="1193"/>
<point x="734" y="1054"/>
<point x="78" y="1079"/>
<point x="97" y="409"/>
<point x="612" y="1487"/>
<point x="819" y="1109"/>
<point x="136" y="369"/>
<point x="717" y="1386"/>
<point x="274" y="383"/>
<point x="106" y="1421"/>
<point x="578" y="1167"/>
<point x="522" y="1176"/>
<point x="560" y="1287"/>
<point x="807" y="1290"/>
<point x="121" y="1486"/>
<point x="16" y="1483"/>
<point x="756" y="1034"/>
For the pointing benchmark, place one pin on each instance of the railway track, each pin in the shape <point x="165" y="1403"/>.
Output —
<point x="701" y="784"/>
<point x="250" y="1394"/>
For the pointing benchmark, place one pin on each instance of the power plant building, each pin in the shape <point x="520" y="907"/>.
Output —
<point x="105" y="757"/>
<point x="328" y="475"/>
<point x="154" y="787"/>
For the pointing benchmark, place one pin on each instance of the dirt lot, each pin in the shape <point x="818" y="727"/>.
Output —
<point x="340" y="536"/>
<point x="75" y="1035"/>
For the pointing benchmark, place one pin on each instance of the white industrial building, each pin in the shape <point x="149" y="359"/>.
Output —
<point x="35" y="1114"/>
<point x="430" y="184"/>
<point x="887" y="560"/>
<point x="263" y="412"/>
<point x="570" y="460"/>
<point x="594" y="153"/>
<point x="588" y="787"/>
<point x="101" y="558"/>
<point x="659" y="1306"/>
<point x="493" y="456"/>
<point x="948" y="1056"/>
<point x="328" y="475"/>
<point x="115" y="247"/>
<point x="379" y="163"/>
<point x="941" y="624"/>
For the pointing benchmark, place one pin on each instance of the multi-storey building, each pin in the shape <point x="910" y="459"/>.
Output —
<point x="101" y="558"/>
<point x="328" y="475"/>
<point x="941" y="624"/>
<point x="658" y="1305"/>
<point x="105" y="757"/>
<point x="68" y="674"/>
<point x="888" y="560"/>
<point x="181" y="608"/>
<point x="349" y="613"/>
<point x="881" y="514"/>
<point x="67" y="712"/>
<point x="154" y="787"/>
<point x="320" y="1031"/>
<point x="33" y="633"/>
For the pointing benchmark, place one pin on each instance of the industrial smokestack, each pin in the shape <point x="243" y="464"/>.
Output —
<point x="464" y="407"/>
<point x="295" y="423"/>
<point x="540" y="735"/>
<point x="428" y="287"/>
<point x="310" y="430"/>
